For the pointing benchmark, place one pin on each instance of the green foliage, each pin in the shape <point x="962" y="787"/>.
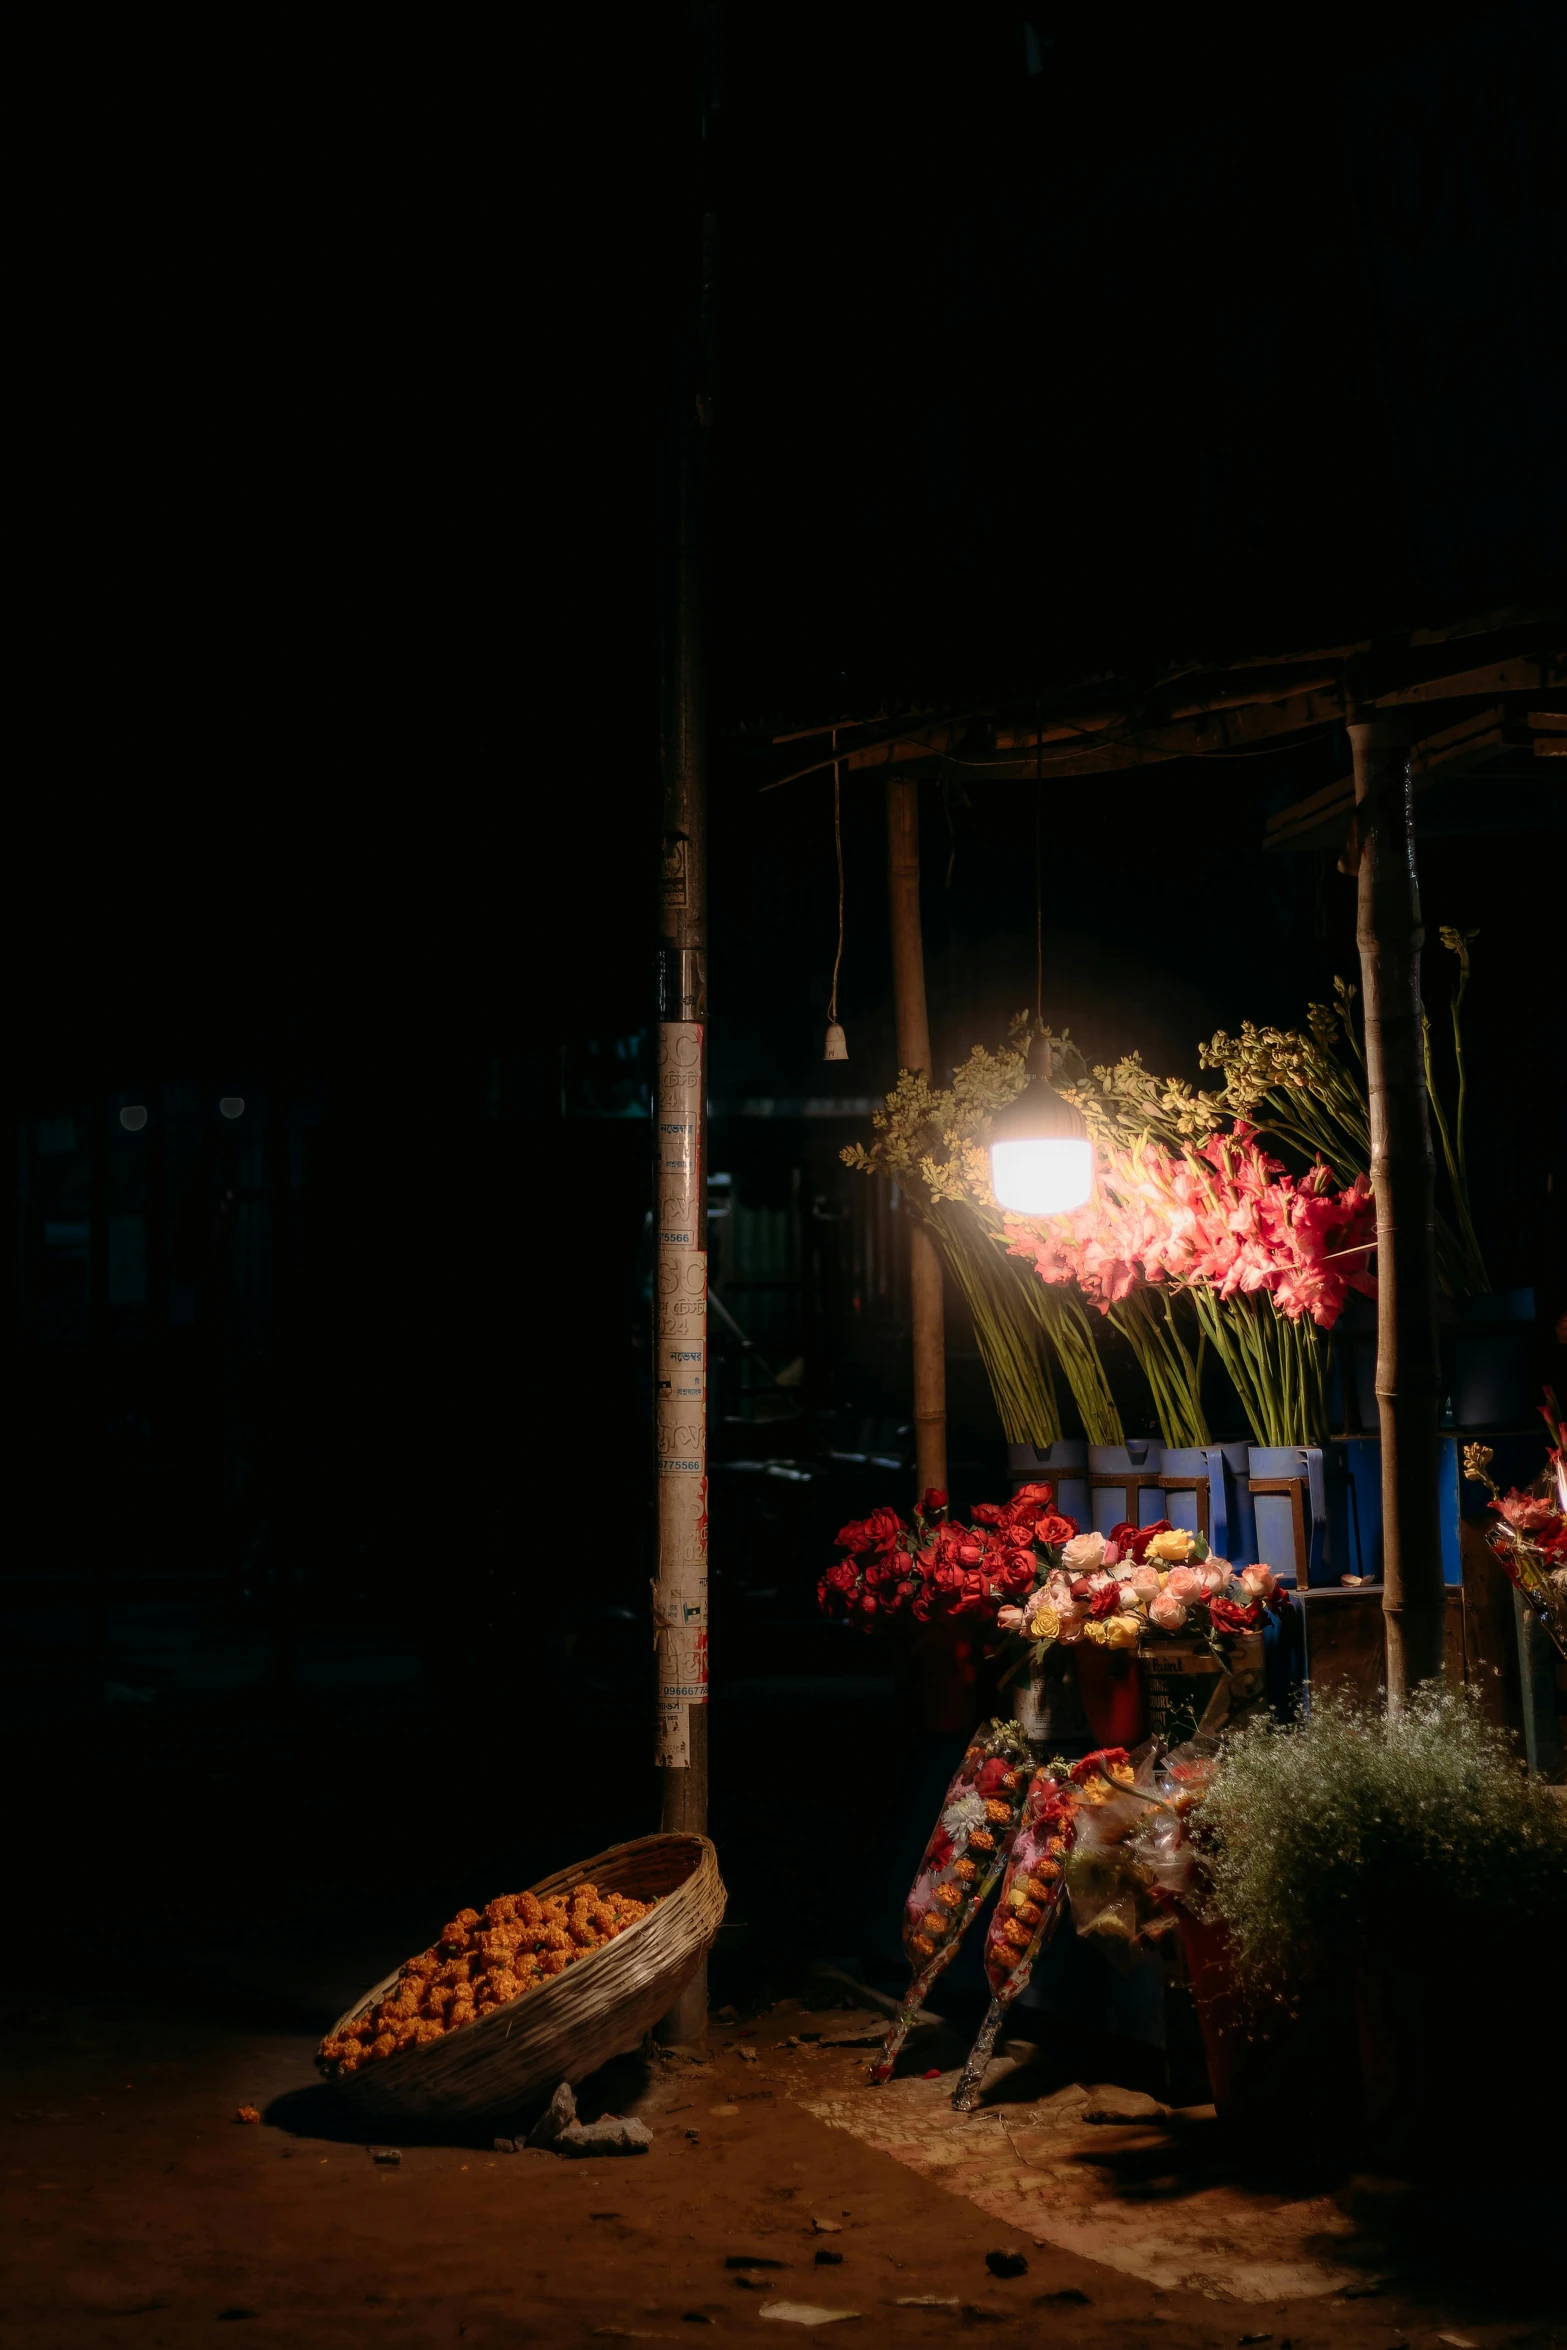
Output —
<point x="1359" y="1830"/>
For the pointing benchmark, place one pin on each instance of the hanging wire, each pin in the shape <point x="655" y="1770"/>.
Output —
<point x="837" y="839"/>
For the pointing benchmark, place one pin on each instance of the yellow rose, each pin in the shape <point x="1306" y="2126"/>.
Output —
<point x="1094" y="1630"/>
<point x="1044" y="1624"/>
<point x="1121" y="1632"/>
<point x="1174" y="1548"/>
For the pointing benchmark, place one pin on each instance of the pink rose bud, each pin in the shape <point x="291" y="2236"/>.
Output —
<point x="1258" y="1582"/>
<point x="1145" y="1582"/>
<point x="1009" y="1619"/>
<point x="1166" y="1611"/>
<point x="1183" y="1585"/>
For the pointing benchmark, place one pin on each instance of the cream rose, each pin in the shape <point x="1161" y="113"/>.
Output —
<point x="1145" y="1582"/>
<point x="1084" y="1554"/>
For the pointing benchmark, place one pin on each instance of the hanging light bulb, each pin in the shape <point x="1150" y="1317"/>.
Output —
<point x="1041" y="1160"/>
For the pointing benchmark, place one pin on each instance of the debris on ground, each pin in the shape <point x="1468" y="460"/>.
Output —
<point x="826" y="2227"/>
<point x="558" y="2115"/>
<point x="615" y="2134"/>
<point x="1123" y="2105"/>
<point x="390" y="2155"/>
<point x="746" y="2055"/>
<point x="751" y="2260"/>
<point x="826" y="2259"/>
<point x="1006" y="2264"/>
<point x="505" y="2145"/>
<point x="723" y="2113"/>
<point x="247" y="2113"/>
<point x="1071" y="2293"/>
<point x="926" y="2301"/>
<point x="729" y="2015"/>
<point x="805" y="2313"/>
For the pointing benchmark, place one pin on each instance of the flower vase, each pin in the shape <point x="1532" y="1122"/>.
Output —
<point x="1123" y="1483"/>
<point x="1114" y="1693"/>
<point x="1046" y="1702"/>
<point x="1063" y="1465"/>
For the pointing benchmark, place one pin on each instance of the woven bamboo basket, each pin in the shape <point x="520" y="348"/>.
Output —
<point x="594" y="2009"/>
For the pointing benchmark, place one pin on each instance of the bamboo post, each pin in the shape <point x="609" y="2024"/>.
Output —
<point x="680" y="1174"/>
<point x="908" y="984"/>
<point x="1403" y="1173"/>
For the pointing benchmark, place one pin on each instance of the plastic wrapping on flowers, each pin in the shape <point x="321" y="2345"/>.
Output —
<point x="1032" y="1888"/>
<point x="967" y="1852"/>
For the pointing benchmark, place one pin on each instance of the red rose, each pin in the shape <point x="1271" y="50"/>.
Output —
<point x="1121" y="1535"/>
<point x="887" y="1568"/>
<point x="988" y="1513"/>
<point x="1052" y="1531"/>
<point x="865" y="1605"/>
<point x="1143" y="1536"/>
<point x="940" y="1852"/>
<point x="852" y="1537"/>
<point x="1083" y="1588"/>
<point x="1104" y="1603"/>
<point x="990" y="1776"/>
<point x="842" y="1576"/>
<point x="1044" y="1495"/>
<point x="882" y="1529"/>
<point x="1015" y="1571"/>
<point x="1107" y="1758"/>
<point x="933" y="1501"/>
<point x="1226" y="1616"/>
<point x="947" y="1577"/>
<point x="971" y="1549"/>
<point x="921" y="1608"/>
<point x="976" y="1593"/>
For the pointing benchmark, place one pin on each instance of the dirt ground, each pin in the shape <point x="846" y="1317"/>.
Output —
<point x="140" y="2215"/>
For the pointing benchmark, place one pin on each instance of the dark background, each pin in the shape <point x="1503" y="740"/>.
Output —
<point x="1044" y="346"/>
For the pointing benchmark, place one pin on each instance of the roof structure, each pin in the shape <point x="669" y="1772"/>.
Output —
<point x="1487" y="700"/>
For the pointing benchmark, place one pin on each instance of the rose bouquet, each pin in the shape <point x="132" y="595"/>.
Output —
<point x="930" y="1567"/>
<point x="966" y="1853"/>
<point x="1025" y="1568"/>
<point x="1530" y="1535"/>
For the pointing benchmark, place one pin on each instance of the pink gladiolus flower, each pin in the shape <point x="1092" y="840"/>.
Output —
<point x="1185" y="1584"/>
<point x="1526" y="1513"/>
<point x="1166" y="1611"/>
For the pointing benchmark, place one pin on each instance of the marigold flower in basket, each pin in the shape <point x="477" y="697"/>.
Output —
<point x="966" y="1853"/>
<point x="1026" y="1914"/>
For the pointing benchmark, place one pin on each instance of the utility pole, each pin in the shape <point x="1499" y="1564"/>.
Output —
<point x="908" y="984"/>
<point x="680" y="1124"/>
<point x="1403" y="1174"/>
